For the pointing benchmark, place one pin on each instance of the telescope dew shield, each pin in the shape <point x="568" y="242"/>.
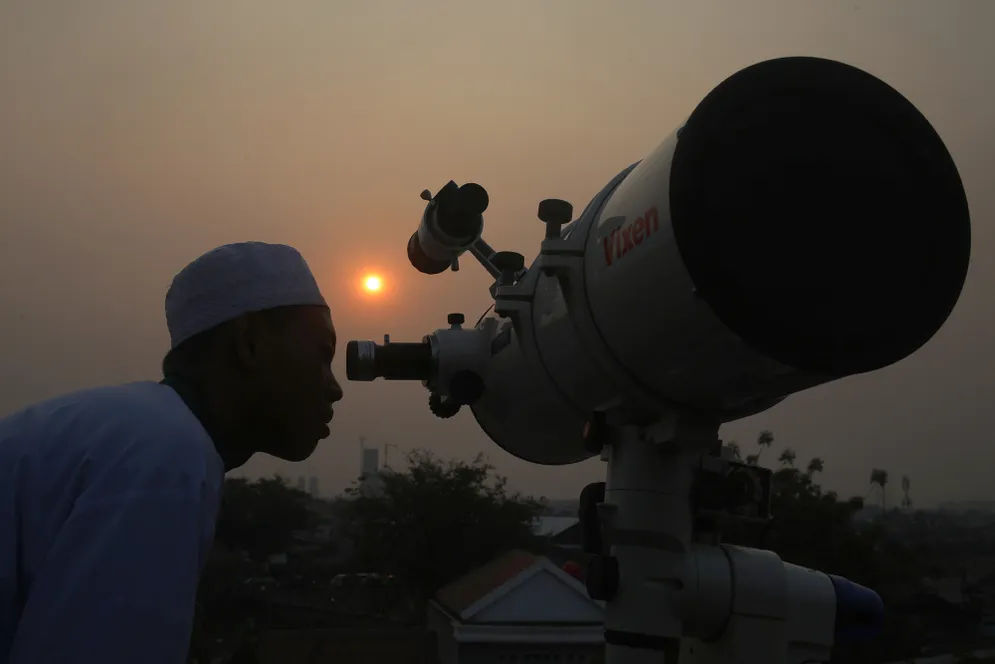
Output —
<point x="820" y="214"/>
<point x="806" y="223"/>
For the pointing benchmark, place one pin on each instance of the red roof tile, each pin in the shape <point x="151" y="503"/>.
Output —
<point x="466" y="590"/>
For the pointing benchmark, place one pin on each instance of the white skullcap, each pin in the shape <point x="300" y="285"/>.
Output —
<point x="233" y="280"/>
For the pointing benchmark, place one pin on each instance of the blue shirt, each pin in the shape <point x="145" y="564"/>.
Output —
<point x="108" y="500"/>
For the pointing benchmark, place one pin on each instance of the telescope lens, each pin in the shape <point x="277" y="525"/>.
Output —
<point x="820" y="215"/>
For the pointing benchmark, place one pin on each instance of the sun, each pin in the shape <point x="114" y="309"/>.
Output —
<point x="372" y="283"/>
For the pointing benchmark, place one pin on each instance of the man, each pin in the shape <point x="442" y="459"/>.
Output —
<point x="108" y="497"/>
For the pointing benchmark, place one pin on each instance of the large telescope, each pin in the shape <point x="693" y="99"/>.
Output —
<point x="804" y="224"/>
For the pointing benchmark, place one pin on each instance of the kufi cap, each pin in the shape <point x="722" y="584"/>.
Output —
<point x="236" y="279"/>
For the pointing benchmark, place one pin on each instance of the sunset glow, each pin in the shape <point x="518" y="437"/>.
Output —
<point x="372" y="283"/>
<point x="140" y="135"/>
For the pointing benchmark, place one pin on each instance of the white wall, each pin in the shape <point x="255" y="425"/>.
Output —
<point x="542" y="598"/>
<point x="439" y="622"/>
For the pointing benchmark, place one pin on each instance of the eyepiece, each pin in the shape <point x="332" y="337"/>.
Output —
<point x="366" y="360"/>
<point x="360" y="360"/>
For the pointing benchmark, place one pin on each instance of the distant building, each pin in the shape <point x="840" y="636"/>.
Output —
<point x="562" y="506"/>
<point x="564" y="538"/>
<point x="517" y="608"/>
<point x="370" y="480"/>
<point x="869" y="512"/>
<point x="962" y="506"/>
<point x="369" y="462"/>
<point x="551" y="526"/>
<point x="302" y="483"/>
<point x="313" y="487"/>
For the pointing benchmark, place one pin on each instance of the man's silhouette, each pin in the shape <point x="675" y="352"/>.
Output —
<point x="108" y="497"/>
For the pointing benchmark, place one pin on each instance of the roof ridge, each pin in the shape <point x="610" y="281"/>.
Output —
<point x="477" y="583"/>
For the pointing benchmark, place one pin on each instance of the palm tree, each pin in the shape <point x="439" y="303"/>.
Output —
<point x="880" y="477"/>
<point x="765" y="439"/>
<point x="815" y="466"/>
<point x="906" y="485"/>
<point x="734" y="450"/>
<point x="787" y="457"/>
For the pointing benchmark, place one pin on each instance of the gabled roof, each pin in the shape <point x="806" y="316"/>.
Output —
<point x="464" y="591"/>
<point x="519" y="588"/>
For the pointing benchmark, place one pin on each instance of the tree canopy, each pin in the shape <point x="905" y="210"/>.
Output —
<point x="435" y="521"/>
<point x="260" y="517"/>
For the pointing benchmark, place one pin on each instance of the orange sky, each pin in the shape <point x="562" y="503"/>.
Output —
<point x="136" y="135"/>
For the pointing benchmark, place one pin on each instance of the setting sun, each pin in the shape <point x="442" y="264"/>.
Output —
<point x="372" y="283"/>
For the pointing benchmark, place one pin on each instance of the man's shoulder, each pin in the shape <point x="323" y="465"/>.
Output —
<point x="140" y="421"/>
<point x="140" y="403"/>
<point x="149" y="421"/>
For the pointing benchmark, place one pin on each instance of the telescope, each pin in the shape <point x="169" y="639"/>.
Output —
<point x="805" y="223"/>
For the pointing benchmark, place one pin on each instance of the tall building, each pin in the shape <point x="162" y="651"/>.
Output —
<point x="313" y="487"/>
<point x="369" y="462"/>
<point x="301" y="483"/>
<point x="370" y="481"/>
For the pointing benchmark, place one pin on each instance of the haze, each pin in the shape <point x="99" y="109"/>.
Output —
<point x="136" y="135"/>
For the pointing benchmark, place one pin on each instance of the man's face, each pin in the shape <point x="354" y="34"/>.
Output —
<point x="297" y="384"/>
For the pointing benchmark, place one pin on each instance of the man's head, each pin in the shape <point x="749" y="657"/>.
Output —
<point x="250" y="328"/>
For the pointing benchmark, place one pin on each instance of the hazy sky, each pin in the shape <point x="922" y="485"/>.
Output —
<point x="135" y="135"/>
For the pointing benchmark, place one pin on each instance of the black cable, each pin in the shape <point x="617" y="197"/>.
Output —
<point x="484" y="314"/>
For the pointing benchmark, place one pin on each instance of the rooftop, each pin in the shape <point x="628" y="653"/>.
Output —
<point x="465" y="591"/>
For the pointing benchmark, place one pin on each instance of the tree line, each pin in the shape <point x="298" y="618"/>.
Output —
<point x="435" y="520"/>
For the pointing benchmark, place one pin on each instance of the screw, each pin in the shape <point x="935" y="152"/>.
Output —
<point x="555" y="213"/>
